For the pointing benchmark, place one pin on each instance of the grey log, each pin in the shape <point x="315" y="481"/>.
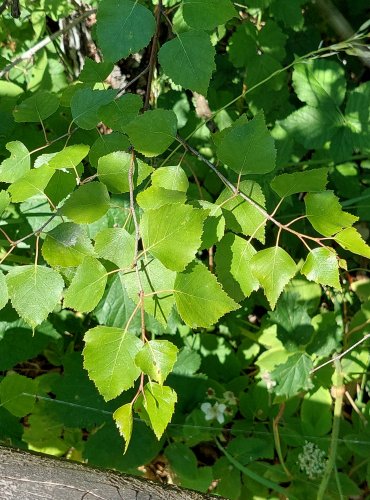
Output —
<point x="29" y="476"/>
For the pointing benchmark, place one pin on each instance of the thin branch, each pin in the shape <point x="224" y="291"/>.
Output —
<point x="36" y="48"/>
<point x="3" y="6"/>
<point x="245" y="197"/>
<point x="153" y="55"/>
<point x="131" y="82"/>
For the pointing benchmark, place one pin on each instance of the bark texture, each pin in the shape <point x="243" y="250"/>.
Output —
<point x="28" y="476"/>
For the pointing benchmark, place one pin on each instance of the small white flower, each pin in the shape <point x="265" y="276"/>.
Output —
<point x="270" y="383"/>
<point x="230" y="398"/>
<point x="215" y="412"/>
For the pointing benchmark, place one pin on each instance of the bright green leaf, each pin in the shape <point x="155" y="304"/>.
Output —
<point x="123" y="27"/>
<point x="300" y="182"/>
<point x="124" y="421"/>
<point x="321" y="266"/>
<point x="158" y="284"/>
<point x="200" y="299"/>
<point x="351" y="240"/>
<point x="3" y="291"/>
<point x="34" y="292"/>
<point x="36" y="108"/>
<point x="173" y="178"/>
<point x="325" y="213"/>
<point x="87" y="286"/>
<point x="156" y="359"/>
<point x="116" y="245"/>
<point x="85" y="106"/>
<point x="188" y="60"/>
<point x="18" y="164"/>
<point x="159" y="403"/>
<point x="4" y="201"/>
<point x="248" y="148"/>
<point x="107" y="143"/>
<point x="113" y="170"/>
<point x="66" y="245"/>
<point x="208" y="14"/>
<point x="109" y="355"/>
<point x="70" y="156"/>
<point x="32" y="183"/>
<point x="240" y="215"/>
<point x="233" y="255"/>
<point x="155" y="197"/>
<point x="152" y="132"/>
<point x="87" y="204"/>
<point x="273" y="268"/>
<point x="172" y="233"/>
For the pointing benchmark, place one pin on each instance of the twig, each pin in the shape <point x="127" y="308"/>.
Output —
<point x="3" y="6"/>
<point x="36" y="48"/>
<point x="131" y="82"/>
<point x="153" y="55"/>
<point x="245" y="197"/>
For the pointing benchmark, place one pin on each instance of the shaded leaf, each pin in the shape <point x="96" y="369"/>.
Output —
<point x="300" y="182"/>
<point x="36" y="108"/>
<point x="293" y="376"/>
<point x="116" y="245"/>
<point x="208" y="14"/>
<point x="85" y="106"/>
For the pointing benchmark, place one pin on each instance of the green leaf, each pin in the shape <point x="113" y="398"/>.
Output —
<point x="233" y="267"/>
<point x="70" y="156"/>
<point x="17" y="165"/>
<point x="93" y="72"/>
<point x="13" y="394"/>
<point x="106" y="144"/>
<point x="155" y="197"/>
<point x="60" y="185"/>
<point x="117" y="114"/>
<point x="32" y="183"/>
<point x="85" y="106"/>
<point x="208" y="14"/>
<point x="199" y="298"/>
<point x="116" y="245"/>
<point x="87" y="286"/>
<point x="124" y="421"/>
<point x="300" y="182"/>
<point x="172" y="233"/>
<point x="321" y="265"/>
<point x="87" y="204"/>
<point x="293" y="376"/>
<point x="3" y="291"/>
<point x="248" y="148"/>
<point x="4" y="201"/>
<point x="152" y="132"/>
<point x="156" y="359"/>
<point x="188" y="60"/>
<point x="159" y="404"/>
<point x="241" y="216"/>
<point x="113" y="170"/>
<point x="123" y="28"/>
<point x="350" y="239"/>
<point x="34" y="292"/>
<point x="273" y="268"/>
<point x="173" y="178"/>
<point x="154" y="277"/>
<point x="37" y="107"/>
<point x="325" y="213"/>
<point x="66" y="245"/>
<point x="214" y="225"/>
<point x="109" y="355"/>
<point x="320" y="83"/>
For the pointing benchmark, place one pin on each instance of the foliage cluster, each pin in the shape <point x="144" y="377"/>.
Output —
<point x="183" y="253"/>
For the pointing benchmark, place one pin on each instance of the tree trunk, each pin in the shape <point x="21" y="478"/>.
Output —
<point x="26" y="476"/>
